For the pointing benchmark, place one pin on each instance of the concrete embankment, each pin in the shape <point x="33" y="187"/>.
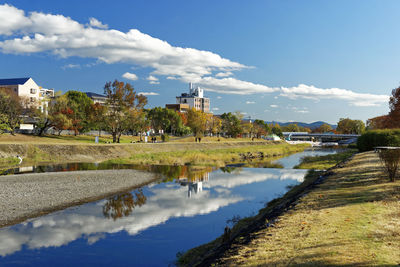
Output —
<point x="31" y="195"/>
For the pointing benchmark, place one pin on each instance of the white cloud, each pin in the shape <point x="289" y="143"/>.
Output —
<point x="130" y="76"/>
<point x="250" y="102"/>
<point x="148" y="93"/>
<point x="356" y="99"/>
<point x="62" y="36"/>
<point x="171" y="78"/>
<point x="302" y="111"/>
<point x="12" y="19"/>
<point x="216" y="109"/>
<point x="273" y="106"/>
<point x="152" y="79"/>
<point x="224" y="74"/>
<point x="219" y="97"/>
<point x="97" y="24"/>
<point x="233" y="86"/>
<point x="40" y="32"/>
<point x="71" y="66"/>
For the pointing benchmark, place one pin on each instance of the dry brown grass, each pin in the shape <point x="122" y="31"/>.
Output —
<point x="353" y="218"/>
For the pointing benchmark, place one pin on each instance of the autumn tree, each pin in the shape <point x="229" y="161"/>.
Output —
<point x="394" y="106"/>
<point x="348" y="126"/>
<point x="380" y="122"/>
<point x="121" y="99"/>
<point x="213" y="124"/>
<point x="324" y="128"/>
<point x="260" y="128"/>
<point x="197" y="121"/>
<point x="11" y="110"/>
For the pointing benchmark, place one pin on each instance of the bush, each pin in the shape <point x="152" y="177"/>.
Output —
<point x="374" y="138"/>
<point x="165" y="137"/>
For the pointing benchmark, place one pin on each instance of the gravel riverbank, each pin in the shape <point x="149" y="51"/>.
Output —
<point x="31" y="195"/>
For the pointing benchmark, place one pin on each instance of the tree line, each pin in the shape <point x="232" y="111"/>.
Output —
<point x="125" y="112"/>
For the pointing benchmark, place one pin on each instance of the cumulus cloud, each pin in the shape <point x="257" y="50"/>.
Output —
<point x="97" y="24"/>
<point x="273" y="106"/>
<point x="130" y="76"/>
<point x="250" y="102"/>
<point x="152" y="79"/>
<point x="148" y="93"/>
<point x="12" y="19"/>
<point x="38" y="32"/>
<point x="356" y="99"/>
<point x="233" y="86"/>
<point x="216" y="109"/>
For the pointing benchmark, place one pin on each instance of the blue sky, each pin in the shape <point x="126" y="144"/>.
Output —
<point x="272" y="60"/>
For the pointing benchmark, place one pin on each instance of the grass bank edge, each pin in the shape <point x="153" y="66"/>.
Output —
<point x="211" y="157"/>
<point x="326" y="161"/>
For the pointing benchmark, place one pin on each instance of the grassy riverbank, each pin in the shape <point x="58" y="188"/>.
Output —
<point x="326" y="161"/>
<point x="213" y="157"/>
<point x="176" y="153"/>
<point x="352" y="218"/>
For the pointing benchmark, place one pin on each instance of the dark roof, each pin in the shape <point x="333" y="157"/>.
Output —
<point x="90" y="94"/>
<point x="14" y="81"/>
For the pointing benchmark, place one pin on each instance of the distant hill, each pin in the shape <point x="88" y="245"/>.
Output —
<point x="312" y="125"/>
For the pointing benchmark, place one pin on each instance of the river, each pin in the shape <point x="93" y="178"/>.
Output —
<point x="148" y="226"/>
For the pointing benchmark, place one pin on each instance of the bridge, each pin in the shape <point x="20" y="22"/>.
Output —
<point x="321" y="137"/>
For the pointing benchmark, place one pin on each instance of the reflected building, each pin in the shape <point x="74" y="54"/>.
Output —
<point x="194" y="179"/>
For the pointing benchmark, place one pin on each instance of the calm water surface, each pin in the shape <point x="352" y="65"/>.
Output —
<point x="150" y="225"/>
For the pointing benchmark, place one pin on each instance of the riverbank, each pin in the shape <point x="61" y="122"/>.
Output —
<point x="350" y="217"/>
<point x="32" y="195"/>
<point x="207" y="153"/>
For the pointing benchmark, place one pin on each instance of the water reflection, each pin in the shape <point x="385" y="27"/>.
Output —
<point x="122" y="205"/>
<point x="141" y="209"/>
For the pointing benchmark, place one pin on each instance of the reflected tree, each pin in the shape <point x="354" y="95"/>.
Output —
<point x="122" y="205"/>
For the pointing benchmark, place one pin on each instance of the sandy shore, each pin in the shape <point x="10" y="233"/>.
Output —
<point x="31" y="195"/>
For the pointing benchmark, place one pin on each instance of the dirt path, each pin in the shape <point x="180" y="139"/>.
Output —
<point x="352" y="218"/>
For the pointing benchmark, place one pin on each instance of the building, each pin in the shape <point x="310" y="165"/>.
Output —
<point x="195" y="99"/>
<point x="31" y="94"/>
<point x="28" y="91"/>
<point x="183" y="108"/>
<point x="97" y="98"/>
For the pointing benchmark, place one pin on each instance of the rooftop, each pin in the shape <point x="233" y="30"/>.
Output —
<point x="13" y="81"/>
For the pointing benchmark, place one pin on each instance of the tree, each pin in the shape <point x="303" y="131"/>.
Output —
<point x="81" y="105"/>
<point x="260" y="128"/>
<point x="213" y="124"/>
<point x="165" y="119"/>
<point x="324" y="128"/>
<point x="197" y="121"/>
<point x="231" y="124"/>
<point x="97" y="117"/>
<point x="380" y="122"/>
<point x="291" y="128"/>
<point x="11" y="110"/>
<point x="348" y="126"/>
<point x="394" y="106"/>
<point x="121" y="99"/>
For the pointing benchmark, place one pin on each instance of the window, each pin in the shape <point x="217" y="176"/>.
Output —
<point x="33" y="91"/>
<point x="33" y="99"/>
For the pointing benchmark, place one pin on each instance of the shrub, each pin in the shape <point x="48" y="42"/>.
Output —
<point x="374" y="138"/>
